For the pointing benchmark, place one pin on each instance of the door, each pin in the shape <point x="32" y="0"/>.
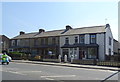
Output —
<point x="65" y="52"/>
<point x="82" y="53"/>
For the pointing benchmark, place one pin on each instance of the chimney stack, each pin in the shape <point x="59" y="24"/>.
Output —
<point x="21" y="32"/>
<point x="68" y="27"/>
<point x="107" y="25"/>
<point x="41" y="30"/>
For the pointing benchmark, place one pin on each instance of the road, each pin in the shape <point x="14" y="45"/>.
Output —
<point x="27" y="71"/>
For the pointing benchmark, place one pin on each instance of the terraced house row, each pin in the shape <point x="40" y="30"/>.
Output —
<point x="94" y="42"/>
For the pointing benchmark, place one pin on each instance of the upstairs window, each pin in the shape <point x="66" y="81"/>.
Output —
<point x="46" y="41"/>
<point x="67" y="40"/>
<point x="18" y="42"/>
<point x="13" y="43"/>
<point x="53" y="40"/>
<point x="82" y="39"/>
<point x="93" y="38"/>
<point x="42" y="41"/>
<point x="36" y="42"/>
<point x="76" y="39"/>
<point x="110" y="41"/>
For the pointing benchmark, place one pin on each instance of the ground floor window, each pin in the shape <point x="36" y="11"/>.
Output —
<point x="92" y="53"/>
<point x="52" y="53"/>
<point x="73" y="53"/>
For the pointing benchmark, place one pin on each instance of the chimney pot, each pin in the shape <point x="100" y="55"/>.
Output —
<point x="41" y="30"/>
<point x="68" y="27"/>
<point x="21" y="32"/>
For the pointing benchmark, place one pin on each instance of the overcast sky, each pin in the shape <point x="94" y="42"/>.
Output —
<point x="31" y="16"/>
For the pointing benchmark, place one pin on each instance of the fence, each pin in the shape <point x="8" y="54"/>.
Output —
<point x="100" y="63"/>
<point x="109" y="63"/>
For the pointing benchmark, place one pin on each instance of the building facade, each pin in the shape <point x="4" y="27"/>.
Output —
<point x="87" y="43"/>
<point x="4" y="43"/>
<point x="93" y="42"/>
<point x="45" y="44"/>
<point x="116" y="47"/>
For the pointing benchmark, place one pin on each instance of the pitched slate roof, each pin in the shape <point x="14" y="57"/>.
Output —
<point x="27" y="35"/>
<point x="83" y="30"/>
<point x="1" y="36"/>
<point x="50" y="33"/>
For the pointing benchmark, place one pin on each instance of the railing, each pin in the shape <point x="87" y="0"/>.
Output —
<point x="109" y="63"/>
<point x="99" y="63"/>
<point x="85" y="62"/>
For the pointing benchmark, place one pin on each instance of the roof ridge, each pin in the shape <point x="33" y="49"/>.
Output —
<point x="88" y="27"/>
<point x="55" y="30"/>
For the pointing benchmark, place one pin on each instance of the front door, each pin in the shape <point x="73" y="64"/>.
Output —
<point x="65" y="52"/>
<point x="82" y="53"/>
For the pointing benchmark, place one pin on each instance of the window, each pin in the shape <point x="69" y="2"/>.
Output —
<point x="26" y="42"/>
<point x="36" y="42"/>
<point x="92" y="53"/>
<point x="13" y="43"/>
<point x="53" y="40"/>
<point x="109" y="51"/>
<point x="71" y="52"/>
<point x="46" y="41"/>
<point x="93" y="38"/>
<point x="110" y="41"/>
<point x="49" y="40"/>
<point x="75" y="51"/>
<point x="67" y="40"/>
<point x="42" y="41"/>
<point x="76" y="39"/>
<point x="82" y="39"/>
<point x="18" y="42"/>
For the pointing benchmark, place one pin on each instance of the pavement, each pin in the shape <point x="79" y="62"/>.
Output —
<point x="69" y="65"/>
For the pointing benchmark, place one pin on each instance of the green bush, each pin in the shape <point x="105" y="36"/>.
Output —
<point x="15" y="53"/>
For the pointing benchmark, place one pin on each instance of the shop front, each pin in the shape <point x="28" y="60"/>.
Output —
<point x="80" y="52"/>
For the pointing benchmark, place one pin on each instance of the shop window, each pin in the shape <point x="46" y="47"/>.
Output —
<point x="92" y="53"/>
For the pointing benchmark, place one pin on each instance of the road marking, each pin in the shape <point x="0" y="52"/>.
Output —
<point x="60" y="76"/>
<point x="30" y="71"/>
<point x="15" y="72"/>
<point x="110" y="76"/>
<point x="49" y="79"/>
<point x="27" y="63"/>
<point x="107" y="71"/>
